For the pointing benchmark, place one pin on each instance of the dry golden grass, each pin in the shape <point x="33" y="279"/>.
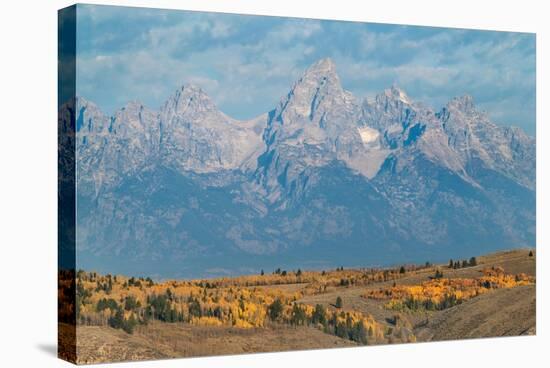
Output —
<point x="99" y="344"/>
<point x="504" y="312"/>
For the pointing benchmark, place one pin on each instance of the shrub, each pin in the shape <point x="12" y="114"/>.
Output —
<point x="129" y="325"/>
<point x="339" y="303"/>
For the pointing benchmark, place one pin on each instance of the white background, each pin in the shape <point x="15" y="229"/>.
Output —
<point x="28" y="169"/>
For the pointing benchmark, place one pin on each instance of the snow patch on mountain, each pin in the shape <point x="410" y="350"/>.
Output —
<point x="368" y="135"/>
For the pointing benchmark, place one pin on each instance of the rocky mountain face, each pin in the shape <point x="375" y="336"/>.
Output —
<point x="323" y="179"/>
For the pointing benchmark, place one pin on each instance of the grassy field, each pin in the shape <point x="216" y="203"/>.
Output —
<point x="124" y="318"/>
<point x="157" y="340"/>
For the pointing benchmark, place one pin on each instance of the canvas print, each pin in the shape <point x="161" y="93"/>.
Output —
<point x="237" y="184"/>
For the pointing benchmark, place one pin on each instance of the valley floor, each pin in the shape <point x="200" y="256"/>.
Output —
<point x="500" y="312"/>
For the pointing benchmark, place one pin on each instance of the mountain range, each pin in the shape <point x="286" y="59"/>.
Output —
<point x="323" y="179"/>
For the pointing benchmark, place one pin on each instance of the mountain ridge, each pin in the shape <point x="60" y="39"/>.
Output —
<point x="427" y="171"/>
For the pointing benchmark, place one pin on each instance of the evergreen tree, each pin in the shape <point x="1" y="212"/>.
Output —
<point x="429" y="304"/>
<point x="402" y="270"/>
<point x="130" y="303"/>
<point x="298" y="316"/>
<point x="109" y="286"/>
<point x="319" y="315"/>
<point x="103" y="304"/>
<point x="359" y="333"/>
<point x="275" y="309"/>
<point x="341" y="330"/>
<point x="169" y="294"/>
<point x="117" y="320"/>
<point x="194" y="307"/>
<point x="339" y="303"/>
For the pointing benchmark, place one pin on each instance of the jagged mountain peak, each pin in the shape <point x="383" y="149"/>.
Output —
<point x="134" y="120"/>
<point x="133" y="105"/>
<point x="396" y="93"/>
<point x="391" y="98"/>
<point x="391" y="109"/>
<point x="89" y="117"/>
<point x="189" y="99"/>
<point x="317" y="92"/>
<point x="463" y="103"/>
<point x="81" y="103"/>
<point x="462" y="110"/>
<point x="319" y="79"/>
<point x="196" y="136"/>
<point x="323" y="68"/>
<point x="191" y="91"/>
<point x="132" y="110"/>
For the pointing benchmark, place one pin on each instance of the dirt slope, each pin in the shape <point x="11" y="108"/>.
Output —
<point x="157" y="341"/>
<point x="505" y="312"/>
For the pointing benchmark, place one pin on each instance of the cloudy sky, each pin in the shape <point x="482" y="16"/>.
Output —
<point x="246" y="63"/>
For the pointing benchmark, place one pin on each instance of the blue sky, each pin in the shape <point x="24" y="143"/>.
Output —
<point x="246" y="63"/>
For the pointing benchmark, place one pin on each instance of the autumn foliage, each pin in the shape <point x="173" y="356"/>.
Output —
<point x="441" y="293"/>
<point x="242" y="302"/>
